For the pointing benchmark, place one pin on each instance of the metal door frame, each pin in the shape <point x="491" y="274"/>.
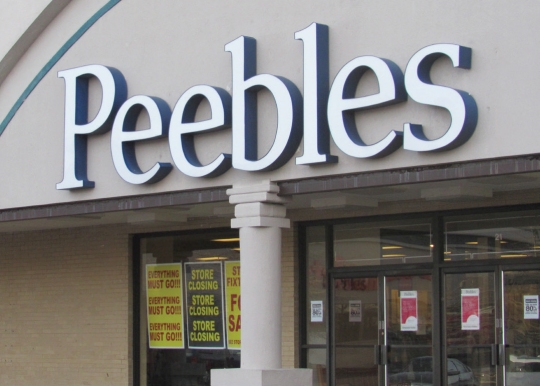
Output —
<point x="381" y="274"/>
<point x="498" y="349"/>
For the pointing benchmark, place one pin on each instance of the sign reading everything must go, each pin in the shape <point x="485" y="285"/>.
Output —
<point x="322" y="112"/>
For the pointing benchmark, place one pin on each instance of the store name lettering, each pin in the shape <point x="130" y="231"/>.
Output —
<point x="321" y="113"/>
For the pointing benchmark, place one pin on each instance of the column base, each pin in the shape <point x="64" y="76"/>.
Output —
<point x="274" y="377"/>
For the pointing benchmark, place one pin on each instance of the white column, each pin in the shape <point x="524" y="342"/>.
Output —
<point x="260" y="215"/>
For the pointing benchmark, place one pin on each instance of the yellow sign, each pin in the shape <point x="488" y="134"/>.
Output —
<point x="204" y="303"/>
<point x="232" y="294"/>
<point x="164" y="305"/>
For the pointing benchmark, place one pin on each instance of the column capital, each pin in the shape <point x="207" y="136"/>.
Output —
<point x="258" y="205"/>
<point x="265" y="191"/>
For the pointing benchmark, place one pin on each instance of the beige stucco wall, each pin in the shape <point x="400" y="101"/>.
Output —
<point x="33" y="32"/>
<point x="165" y="47"/>
<point x="18" y="18"/>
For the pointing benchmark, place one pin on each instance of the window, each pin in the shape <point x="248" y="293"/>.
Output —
<point x="357" y="273"/>
<point x="493" y="236"/>
<point x="316" y="303"/>
<point x="186" y="326"/>
<point x="378" y="243"/>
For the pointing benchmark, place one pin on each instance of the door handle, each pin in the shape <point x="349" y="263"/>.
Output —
<point x="494" y="354"/>
<point x="380" y="354"/>
<point x="502" y="355"/>
<point x="498" y="354"/>
<point x="377" y="352"/>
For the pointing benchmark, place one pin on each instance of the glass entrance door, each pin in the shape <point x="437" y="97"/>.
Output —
<point x="382" y="331"/>
<point x="521" y="328"/>
<point x="470" y="320"/>
<point x="492" y="328"/>
<point x="356" y="331"/>
<point x="408" y="333"/>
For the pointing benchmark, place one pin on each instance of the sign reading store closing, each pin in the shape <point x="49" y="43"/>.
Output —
<point x="204" y="296"/>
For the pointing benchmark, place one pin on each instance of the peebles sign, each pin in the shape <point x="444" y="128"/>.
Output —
<point x="322" y="112"/>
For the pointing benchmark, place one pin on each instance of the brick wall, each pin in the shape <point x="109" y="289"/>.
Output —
<point x="64" y="307"/>
<point x="289" y="304"/>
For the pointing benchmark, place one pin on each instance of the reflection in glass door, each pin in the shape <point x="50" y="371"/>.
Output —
<point x="356" y="331"/>
<point x="383" y="330"/>
<point x="521" y="349"/>
<point x="492" y="328"/>
<point x="408" y="336"/>
<point x="470" y="320"/>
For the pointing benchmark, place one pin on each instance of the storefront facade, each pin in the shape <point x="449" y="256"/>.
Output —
<point x="269" y="187"/>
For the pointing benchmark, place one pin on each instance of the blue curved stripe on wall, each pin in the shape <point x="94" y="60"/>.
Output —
<point x="86" y="26"/>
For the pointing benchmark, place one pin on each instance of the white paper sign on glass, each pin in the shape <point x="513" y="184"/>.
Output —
<point x="530" y="307"/>
<point x="316" y="310"/>
<point x="355" y="311"/>
<point x="470" y="308"/>
<point x="409" y="310"/>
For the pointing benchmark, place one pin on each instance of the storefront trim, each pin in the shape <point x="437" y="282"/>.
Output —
<point x="436" y="173"/>
<point x="115" y="205"/>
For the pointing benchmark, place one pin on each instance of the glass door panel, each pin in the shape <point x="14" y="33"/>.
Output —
<point x="383" y="331"/>
<point x="470" y="333"/>
<point x="408" y="338"/>
<point x="521" y="328"/>
<point x="356" y="331"/>
<point x="493" y="236"/>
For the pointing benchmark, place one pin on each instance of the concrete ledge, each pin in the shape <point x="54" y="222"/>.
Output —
<point x="259" y="221"/>
<point x="257" y="197"/>
<point x="265" y="186"/>
<point x="276" y="377"/>
<point x="255" y="209"/>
